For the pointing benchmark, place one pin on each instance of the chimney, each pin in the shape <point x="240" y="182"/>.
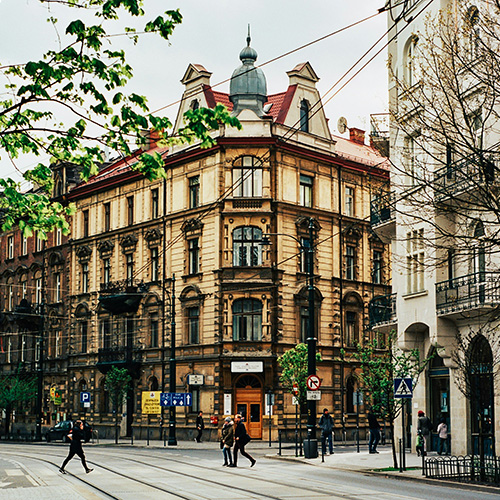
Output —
<point x="357" y="135"/>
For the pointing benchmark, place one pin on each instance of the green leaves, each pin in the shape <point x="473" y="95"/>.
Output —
<point x="117" y="384"/>
<point x="294" y="370"/>
<point x="86" y="82"/>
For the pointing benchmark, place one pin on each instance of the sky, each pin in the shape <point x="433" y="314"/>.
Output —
<point x="212" y="34"/>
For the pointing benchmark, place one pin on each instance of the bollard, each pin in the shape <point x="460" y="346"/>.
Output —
<point x="323" y="446"/>
<point x="400" y="456"/>
<point x="423" y="464"/>
<point x="148" y="435"/>
<point x="132" y="436"/>
<point x="164" y="438"/>
<point x="279" y="442"/>
<point x="296" y="443"/>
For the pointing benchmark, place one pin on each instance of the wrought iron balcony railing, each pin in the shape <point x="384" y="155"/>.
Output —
<point x="467" y="175"/>
<point x="123" y="286"/>
<point x="466" y="293"/>
<point x="382" y="310"/>
<point x="383" y="209"/>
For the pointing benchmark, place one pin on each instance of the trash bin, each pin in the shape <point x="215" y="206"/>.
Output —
<point x="311" y="448"/>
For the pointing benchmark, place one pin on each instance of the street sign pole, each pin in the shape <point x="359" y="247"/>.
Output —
<point x="172" y="439"/>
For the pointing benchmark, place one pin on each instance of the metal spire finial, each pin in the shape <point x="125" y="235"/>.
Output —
<point x="248" y="37"/>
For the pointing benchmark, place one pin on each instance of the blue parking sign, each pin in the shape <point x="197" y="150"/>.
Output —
<point x="84" y="397"/>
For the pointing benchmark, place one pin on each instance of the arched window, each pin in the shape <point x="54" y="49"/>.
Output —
<point x="304" y="115"/>
<point x="247" y="177"/>
<point x="247" y="246"/>
<point x="247" y="320"/>
<point x="409" y="60"/>
<point x="474" y="36"/>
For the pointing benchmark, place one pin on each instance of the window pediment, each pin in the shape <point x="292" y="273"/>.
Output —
<point x="128" y="243"/>
<point x="83" y="253"/>
<point x="105" y="248"/>
<point x="191" y="226"/>
<point x="153" y="236"/>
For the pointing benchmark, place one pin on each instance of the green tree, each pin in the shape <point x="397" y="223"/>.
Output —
<point x="85" y="81"/>
<point x="380" y="365"/>
<point x="118" y="382"/>
<point x="293" y="365"/>
<point x="14" y="391"/>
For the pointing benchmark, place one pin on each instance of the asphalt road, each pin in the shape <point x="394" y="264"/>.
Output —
<point x="30" y="471"/>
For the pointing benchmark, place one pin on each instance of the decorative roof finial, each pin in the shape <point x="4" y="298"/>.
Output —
<point x="248" y="37"/>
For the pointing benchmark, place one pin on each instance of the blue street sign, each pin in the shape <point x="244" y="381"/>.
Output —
<point x="84" y="397"/>
<point x="176" y="399"/>
<point x="403" y="388"/>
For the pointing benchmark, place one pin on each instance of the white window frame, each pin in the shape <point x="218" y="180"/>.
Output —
<point x="415" y="261"/>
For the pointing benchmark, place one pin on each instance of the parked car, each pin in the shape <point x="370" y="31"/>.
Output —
<point x="61" y="430"/>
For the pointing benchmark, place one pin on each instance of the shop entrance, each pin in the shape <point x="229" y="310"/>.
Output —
<point x="249" y="404"/>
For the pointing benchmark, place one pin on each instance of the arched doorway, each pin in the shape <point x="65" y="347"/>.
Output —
<point x="249" y="397"/>
<point x="481" y="394"/>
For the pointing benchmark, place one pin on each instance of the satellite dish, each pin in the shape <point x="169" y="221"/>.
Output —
<point x="342" y="124"/>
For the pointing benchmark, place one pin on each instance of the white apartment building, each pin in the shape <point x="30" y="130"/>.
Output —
<point x="441" y="216"/>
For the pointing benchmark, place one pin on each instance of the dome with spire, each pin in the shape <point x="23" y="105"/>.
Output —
<point x="248" y="87"/>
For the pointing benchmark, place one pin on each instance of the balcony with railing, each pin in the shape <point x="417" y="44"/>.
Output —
<point x="122" y="296"/>
<point x="383" y="216"/>
<point x="121" y="357"/>
<point x="473" y="294"/>
<point x="382" y="311"/>
<point x="462" y="178"/>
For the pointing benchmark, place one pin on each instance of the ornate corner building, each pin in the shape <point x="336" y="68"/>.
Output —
<point x="186" y="256"/>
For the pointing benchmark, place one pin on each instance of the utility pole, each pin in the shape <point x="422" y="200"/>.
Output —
<point x="172" y="440"/>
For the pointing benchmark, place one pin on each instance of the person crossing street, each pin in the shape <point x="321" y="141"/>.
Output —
<point x="76" y="437"/>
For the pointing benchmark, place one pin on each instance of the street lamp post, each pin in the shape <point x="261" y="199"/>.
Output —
<point x="172" y="440"/>
<point x="311" y="333"/>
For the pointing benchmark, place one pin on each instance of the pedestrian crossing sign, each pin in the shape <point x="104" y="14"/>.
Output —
<point x="403" y="388"/>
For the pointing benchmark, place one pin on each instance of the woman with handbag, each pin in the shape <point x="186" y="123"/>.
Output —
<point x="241" y="439"/>
<point x="227" y="441"/>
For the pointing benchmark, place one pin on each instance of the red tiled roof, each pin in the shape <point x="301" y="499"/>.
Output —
<point x="360" y="153"/>
<point x="280" y="102"/>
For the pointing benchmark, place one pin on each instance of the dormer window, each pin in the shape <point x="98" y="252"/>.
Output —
<point x="304" y="115"/>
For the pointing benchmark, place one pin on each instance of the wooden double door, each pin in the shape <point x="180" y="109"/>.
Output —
<point x="249" y="405"/>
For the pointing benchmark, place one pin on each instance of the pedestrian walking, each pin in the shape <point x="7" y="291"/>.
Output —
<point x="241" y="439"/>
<point x="227" y="441"/>
<point x="200" y="425"/>
<point x="442" y="430"/>
<point x="326" y="426"/>
<point x="424" y="425"/>
<point x="374" y="429"/>
<point x="75" y="448"/>
<point x="420" y="444"/>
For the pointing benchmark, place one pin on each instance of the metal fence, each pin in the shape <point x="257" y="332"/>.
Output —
<point x="467" y="469"/>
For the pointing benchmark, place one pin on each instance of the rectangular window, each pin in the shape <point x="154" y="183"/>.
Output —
<point x="106" y="333"/>
<point x="305" y="255"/>
<point x="24" y="246"/>
<point x="247" y="177"/>
<point x="57" y="287"/>
<point x="130" y="268"/>
<point x="107" y="216"/>
<point x="84" y="335"/>
<point x="58" y="236"/>
<point x="155" y="265"/>
<point x="195" y="392"/>
<point x="85" y="229"/>
<point x="85" y="278"/>
<point x="451" y="264"/>
<point x="154" y="204"/>
<point x="193" y="314"/>
<point x="106" y="271"/>
<point x="194" y="191"/>
<point x="38" y="290"/>
<point x="38" y="244"/>
<point x="154" y="333"/>
<point x="11" y="297"/>
<point x="10" y="247"/>
<point x="24" y="289"/>
<point x="130" y="210"/>
<point x="377" y="267"/>
<point x="351" y="329"/>
<point x="194" y="254"/>
<point x="415" y="261"/>
<point x="349" y="201"/>
<point x="350" y="262"/>
<point x="304" y="323"/>
<point x="306" y="191"/>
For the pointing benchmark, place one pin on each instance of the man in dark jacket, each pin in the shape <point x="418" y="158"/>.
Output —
<point x="326" y="426"/>
<point x="374" y="427"/>
<point x="75" y="448"/>
<point x="241" y="438"/>
<point x="200" y="425"/>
